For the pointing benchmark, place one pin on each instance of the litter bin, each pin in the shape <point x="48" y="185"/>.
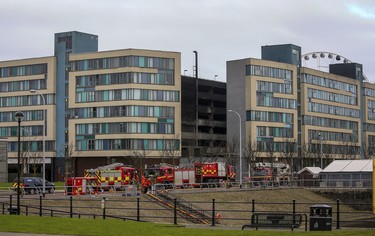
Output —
<point x="13" y="210"/>
<point x="320" y="218"/>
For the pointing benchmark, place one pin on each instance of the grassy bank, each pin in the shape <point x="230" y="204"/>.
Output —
<point x="67" y="226"/>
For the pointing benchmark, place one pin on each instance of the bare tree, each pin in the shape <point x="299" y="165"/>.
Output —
<point x="270" y="151"/>
<point x="348" y="150"/>
<point x="368" y="150"/>
<point x="307" y="155"/>
<point x="138" y="161"/>
<point x="251" y="153"/>
<point x="69" y="153"/>
<point x="171" y="149"/>
<point x="289" y="152"/>
<point x="232" y="152"/>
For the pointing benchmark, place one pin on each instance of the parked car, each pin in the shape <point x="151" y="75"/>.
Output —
<point x="34" y="185"/>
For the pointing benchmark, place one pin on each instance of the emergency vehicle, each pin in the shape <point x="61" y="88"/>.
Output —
<point x="113" y="175"/>
<point x="81" y="185"/>
<point x="181" y="176"/>
<point x="102" y="178"/>
<point x="270" y="172"/>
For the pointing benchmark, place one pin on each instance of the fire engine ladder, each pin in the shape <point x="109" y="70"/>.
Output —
<point x="109" y="167"/>
<point x="183" y="210"/>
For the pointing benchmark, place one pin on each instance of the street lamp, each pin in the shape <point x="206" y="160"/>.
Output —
<point x="321" y="151"/>
<point x="44" y="139"/>
<point x="239" y="117"/>
<point x="19" y="117"/>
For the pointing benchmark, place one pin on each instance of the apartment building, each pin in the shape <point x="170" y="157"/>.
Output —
<point x="298" y="115"/>
<point x="17" y="79"/>
<point x="123" y="104"/>
<point x="100" y="107"/>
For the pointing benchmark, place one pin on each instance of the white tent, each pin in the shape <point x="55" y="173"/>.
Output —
<point x="347" y="174"/>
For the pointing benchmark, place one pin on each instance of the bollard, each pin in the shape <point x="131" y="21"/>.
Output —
<point x="103" y="207"/>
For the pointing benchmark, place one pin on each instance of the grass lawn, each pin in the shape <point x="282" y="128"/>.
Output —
<point x="75" y="226"/>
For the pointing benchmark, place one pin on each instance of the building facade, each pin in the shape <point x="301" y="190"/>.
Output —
<point x="124" y="104"/>
<point x="100" y="107"/>
<point x="203" y="117"/>
<point x="298" y="115"/>
<point x="18" y="77"/>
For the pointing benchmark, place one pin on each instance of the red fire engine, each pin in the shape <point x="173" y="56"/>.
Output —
<point x="269" y="172"/>
<point x="207" y="172"/>
<point x="103" y="177"/>
<point x="116" y="175"/>
<point x="81" y="185"/>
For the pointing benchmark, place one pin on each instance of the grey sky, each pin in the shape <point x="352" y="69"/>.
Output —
<point x="220" y="30"/>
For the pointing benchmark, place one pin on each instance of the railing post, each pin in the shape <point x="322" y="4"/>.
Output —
<point x="10" y="202"/>
<point x="175" y="212"/>
<point x="213" y="212"/>
<point x="252" y="206"/>
<point x="294" y="211"/>
<point x="40" y="206"/>
<point x="27" y="210"/>
<point x="3" y="208"/>
<point x="71" y="207"/>
<point x="338" y="214"/>
<point x="138" y="209"/>
<point x="103" y="207"/>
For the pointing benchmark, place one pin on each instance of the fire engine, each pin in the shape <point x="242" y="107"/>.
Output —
<point x="180" y="176"/>
<point x="81" y="185"/>
<point x="116" y="175"/>
<point x="270" y="172"/>
<point x="104" y="177"/>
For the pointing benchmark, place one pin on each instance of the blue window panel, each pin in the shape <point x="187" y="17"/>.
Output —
<point x="85" y="65"/>
<point x="157" y="112"/>
<point x="141" y="62"/>
<point x="106" y="95"/>
<point x="145" y="129"/>
<point x="160" y="144"/>
<point x="105" y="144"/>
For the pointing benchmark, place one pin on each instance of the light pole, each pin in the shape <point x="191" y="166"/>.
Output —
<point x="321" y="151"/>
<point x="19" y="117"/>
<point x="239" y="117"/>
<point x="44" y="139"/>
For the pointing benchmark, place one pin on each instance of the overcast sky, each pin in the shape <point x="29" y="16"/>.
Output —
<point x="220" y="30"/>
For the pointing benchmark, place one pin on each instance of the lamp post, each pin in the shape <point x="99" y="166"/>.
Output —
<point x="239" y="117"/>
<point x="321" y="151"/>
<point x="44" y="139"/>
<point x="19" y="117"/>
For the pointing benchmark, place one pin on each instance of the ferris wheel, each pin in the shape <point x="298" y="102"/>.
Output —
<point x="322" y="60"/>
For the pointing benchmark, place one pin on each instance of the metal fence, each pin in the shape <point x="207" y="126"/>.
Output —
<point x="165" y="207"/>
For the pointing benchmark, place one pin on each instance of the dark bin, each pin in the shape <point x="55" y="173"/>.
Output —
<point x="13" y="210"/>
<point x="320" y="218"/>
